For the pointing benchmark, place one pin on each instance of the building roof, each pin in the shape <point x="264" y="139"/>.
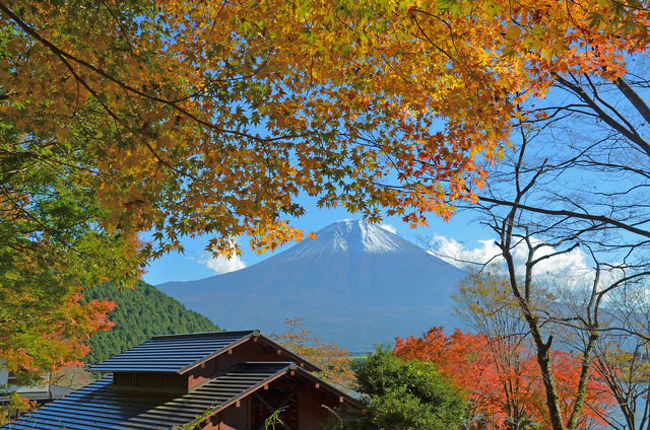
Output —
<point x="181" y="353"/>
<point x="49" y="392"/>
<point x="176" y="353"/>
<point x="98" y="405"/>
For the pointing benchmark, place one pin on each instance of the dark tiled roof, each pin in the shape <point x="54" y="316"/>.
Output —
<point x="174" y="353"/>
<point x="98" y="406"/>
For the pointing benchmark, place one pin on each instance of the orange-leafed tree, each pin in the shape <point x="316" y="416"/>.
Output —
<point x="218" y="109"/>
<point x="334" y="361"/>
<point x="16" y="406"/>
<point x="504" y="385"/>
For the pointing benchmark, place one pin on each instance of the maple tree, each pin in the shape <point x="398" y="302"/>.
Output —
<point x="51" y="249"/>
<point x="334" y="361"/>
<point x="204" y="102"/>
<point x="16" y="406"/>
<point x="205" y="110"/>
<point x="503" y="383"/>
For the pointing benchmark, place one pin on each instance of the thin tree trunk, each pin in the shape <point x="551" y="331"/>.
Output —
<point x="582" y="386"/>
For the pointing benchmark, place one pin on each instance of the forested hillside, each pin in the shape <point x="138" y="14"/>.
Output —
<point x="140" y="314"/>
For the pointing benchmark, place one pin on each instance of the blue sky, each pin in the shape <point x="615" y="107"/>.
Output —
<point x="463" y="235"/>
<point x="192" y="264"/>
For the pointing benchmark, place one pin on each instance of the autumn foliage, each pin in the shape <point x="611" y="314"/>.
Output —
<point x="189" y="118"/>
<point x="504" y="384"/>
<point x="14" y="407"/>
<point x="57" y="337"/>
<point x="215" y="110"/>
<point x="334" y="361"/>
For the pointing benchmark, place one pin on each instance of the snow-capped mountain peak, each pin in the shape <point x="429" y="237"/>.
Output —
<point x="351" y="237"/>
<point x="356" y="284"/>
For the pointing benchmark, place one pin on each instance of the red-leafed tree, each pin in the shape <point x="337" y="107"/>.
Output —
<point x="503" y="383"/>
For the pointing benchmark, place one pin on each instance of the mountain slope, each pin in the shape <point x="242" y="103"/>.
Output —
<point x="140" y="314"/>
<point x="355" y="284"/>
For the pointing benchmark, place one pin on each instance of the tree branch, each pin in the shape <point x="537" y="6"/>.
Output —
<point x="566" y="213"/>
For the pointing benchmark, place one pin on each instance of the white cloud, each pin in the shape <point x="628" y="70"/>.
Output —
<point x="222" y="264"/>
<point x="389" y="228"/>
<point x="456" y="253"/>
<point x="569" y="272"/>
<point x="569" y="268"/>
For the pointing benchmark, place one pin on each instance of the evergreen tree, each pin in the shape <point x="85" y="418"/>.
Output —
<point x="404" y="395"/>
<point x="141" y="313"/>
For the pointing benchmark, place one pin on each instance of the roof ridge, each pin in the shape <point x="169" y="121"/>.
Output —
<point x="205" y="333"/>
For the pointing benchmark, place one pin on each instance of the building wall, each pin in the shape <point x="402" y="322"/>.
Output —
<point x="150" y="382"/>
<point x="307" y="406"/>
<point x="248" y="351"/>
<point x="311" y="413"/>
<point x="233" y="418"/>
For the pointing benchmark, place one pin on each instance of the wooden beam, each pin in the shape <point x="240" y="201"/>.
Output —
<point x="238" y="403"/>
<point x="230" y="352"/>
<point x="266" y="386"/>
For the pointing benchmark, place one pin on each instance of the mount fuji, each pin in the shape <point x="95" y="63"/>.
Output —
<point x="355" y="284"/>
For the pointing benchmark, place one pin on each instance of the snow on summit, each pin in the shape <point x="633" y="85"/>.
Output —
<point x="353" y="237"/>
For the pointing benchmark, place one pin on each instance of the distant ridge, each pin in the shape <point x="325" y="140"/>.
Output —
<point x="355" y="284"/>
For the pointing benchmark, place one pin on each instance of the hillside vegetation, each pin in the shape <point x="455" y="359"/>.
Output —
<point x="140" y="314"/>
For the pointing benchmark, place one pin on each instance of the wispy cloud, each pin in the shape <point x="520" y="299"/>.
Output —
<point x="571" y="268"/>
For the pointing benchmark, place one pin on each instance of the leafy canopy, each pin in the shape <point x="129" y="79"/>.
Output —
<point x="405" y="395"/>
<point x="503" y="383"/>
<point x="211" y="118"/>
<point x="51" y="247"/>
